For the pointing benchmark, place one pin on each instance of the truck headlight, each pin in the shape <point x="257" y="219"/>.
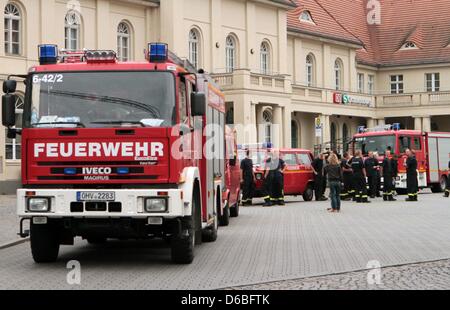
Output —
<point x="155" y="205"/>
<point x="38" y="204"/>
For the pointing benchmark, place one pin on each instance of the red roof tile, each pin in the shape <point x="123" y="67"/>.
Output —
<point x="424" y="22"/>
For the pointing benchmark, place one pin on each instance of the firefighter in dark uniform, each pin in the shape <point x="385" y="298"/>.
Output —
<point x="411" y="176"/>
<point x="359" y="175"/>
<point x="371" y="165"/>
<point x="388" y="176"/>
<point x="447" y="187"/>
<point x="347" y="192"/>
<point x="267" y="185"/>
<point x="247" y="179"/>
<point x="317" y="166"/>
<point x="277" y="166"/>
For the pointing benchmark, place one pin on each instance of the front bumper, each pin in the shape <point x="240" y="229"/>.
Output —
<point x="131" y="204"/>
<point x="401" y="180"/>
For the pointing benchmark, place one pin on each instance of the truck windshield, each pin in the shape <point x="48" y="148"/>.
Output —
<point x="375" y="144"/>
<point x="101" y="99"/>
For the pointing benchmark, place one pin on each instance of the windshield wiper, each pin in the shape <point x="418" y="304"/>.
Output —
<point x="119" y="123"/>
<point x="78" y="124"/>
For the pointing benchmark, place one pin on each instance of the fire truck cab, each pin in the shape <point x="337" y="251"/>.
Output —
<point x="115" y="150"/>
<point x="298" y="175"/>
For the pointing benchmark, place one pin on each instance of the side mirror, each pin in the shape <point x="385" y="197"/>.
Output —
<point x="198" y="104"/>
<point x="8" y="110"/>
<point x="9" y="86"/>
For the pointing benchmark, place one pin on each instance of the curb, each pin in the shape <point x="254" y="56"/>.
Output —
<point x="13" y="243"/>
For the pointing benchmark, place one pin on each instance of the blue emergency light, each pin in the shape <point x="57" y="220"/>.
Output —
<point x="267" y="145"/>
<point x="361" y="129"/>
<point x="48" y="54"/>
<point x="396" y="126"/>
<point x="158" y="52"/>
<point x="123" y="170"/>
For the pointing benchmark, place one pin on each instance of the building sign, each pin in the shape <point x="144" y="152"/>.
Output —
<point x="318" y="126"/>
<point x="339" y="98"/>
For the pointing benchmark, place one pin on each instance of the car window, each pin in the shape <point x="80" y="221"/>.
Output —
<point x="304" y="159"/>
<point x="290" y="159"/>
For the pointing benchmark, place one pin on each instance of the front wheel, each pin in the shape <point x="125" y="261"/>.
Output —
<point x="44" y="243"/>
<point x="308" y="195"/>
<point x="210" y="233"/>
<point x="182" y="246"/>
<point x="234" y="211"/>
<point x="224" y="219"/>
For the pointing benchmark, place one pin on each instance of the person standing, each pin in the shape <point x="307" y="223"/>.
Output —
<point x="277" y="166"/>
<point x="447" y="187"/>
<point x="411" y="176"/>
<point x="347" y="172"/>
<point x="388" y="176"/>
<point x="359" y="175"/>
<point x="317" y="166"/>
<point x="267" y="185"/>
<point x="247" y="179"/>
<point x="334" y="174"/>
<point x="371" y="165"/>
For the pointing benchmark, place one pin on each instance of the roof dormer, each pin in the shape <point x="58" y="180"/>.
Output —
<point x="409" y="45"/>
<point x="305" y="16"/>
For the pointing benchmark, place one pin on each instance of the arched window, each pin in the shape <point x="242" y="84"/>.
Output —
<point x="268" y="120"/>
<point x="345" y="135"/>
<point x="230" y="53"/>
<point x="72" y="31"/>
<point x="338" y="72"/>
<point x="265" y="58"/>
<point x="310" y="70"/>
<point x="294" y="134"/>
<point x="13" y="146"/>
<point x="12" y="30"/>
<point x="123" y="42"/>
<point x="194" y="48"/>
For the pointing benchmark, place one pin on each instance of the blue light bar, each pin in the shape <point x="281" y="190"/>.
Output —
<point x="361" y="129"/>
<point x="268" y="145"/>
<point x="123" y="170"/>
<point x="70" y="171"/>
<point x="158" y="52"/>
<point x="396" y="126"/>
<point x="48" y="54"/>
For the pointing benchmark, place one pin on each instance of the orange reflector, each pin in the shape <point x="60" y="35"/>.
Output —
<point x="30" y="194"/>
<point x="163" y="193"/>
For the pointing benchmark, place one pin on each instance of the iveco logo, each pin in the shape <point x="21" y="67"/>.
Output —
<point x="97" y="171"/>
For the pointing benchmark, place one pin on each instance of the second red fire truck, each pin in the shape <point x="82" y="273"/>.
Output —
<point x="118" y="150"/>
<point x="432" y="151"/>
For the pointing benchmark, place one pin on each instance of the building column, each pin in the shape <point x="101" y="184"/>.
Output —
<point x="259" y="123"/>
<point x="47" y="27"/>
<point x="251" y="60"/>
<point x="253" y="123"/>
<point x="278" y="126"/>
<point x="217" y="61"/>
<point x="326" y="130"/>
<point x="381" y="122"/>
<point x="287" y="130"/>
<point x="417" y="123"/>
<point x="426" y="123"/>
<point x="371" y="123"/>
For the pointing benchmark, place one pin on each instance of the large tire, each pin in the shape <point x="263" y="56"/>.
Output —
<point x="308" y="195"/>
<point x="44" y="241"/>
<point x="182" y="246"/>
<point x="234" y="211"/>
<point x="210" y="233"/>
<point x="224" y="219"/>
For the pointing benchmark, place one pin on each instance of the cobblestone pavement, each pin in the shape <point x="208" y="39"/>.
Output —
<point x="423" y="276"/>
<point x="9" y="222"/>
<point x="300" y="240"/>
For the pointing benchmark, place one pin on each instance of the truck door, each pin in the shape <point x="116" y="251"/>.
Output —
<point x="291" y="173"/>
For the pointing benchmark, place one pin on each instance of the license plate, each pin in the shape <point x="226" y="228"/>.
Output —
<point x="96" y="196"/>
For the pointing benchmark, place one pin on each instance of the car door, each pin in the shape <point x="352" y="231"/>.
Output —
<point x="290" y="173"/>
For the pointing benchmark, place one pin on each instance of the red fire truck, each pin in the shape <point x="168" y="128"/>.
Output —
<point x="298" y="175"/>
<point x="432" y="152"/>
<point x="118" y="150"/>
<point x="231" y="196"/>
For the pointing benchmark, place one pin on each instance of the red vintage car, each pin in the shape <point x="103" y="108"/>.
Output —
<point x="298" y="175"/>
<point x="231" y="197"/>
